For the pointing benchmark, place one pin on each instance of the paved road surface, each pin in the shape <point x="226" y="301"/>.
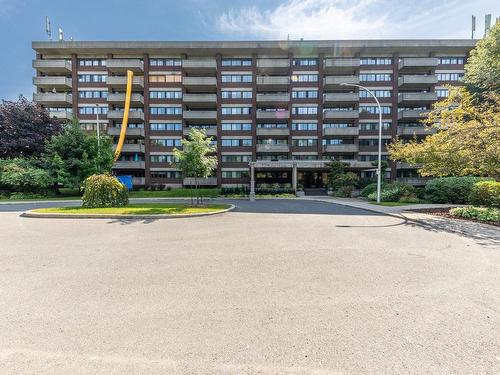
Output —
<point x="301" y="288"/>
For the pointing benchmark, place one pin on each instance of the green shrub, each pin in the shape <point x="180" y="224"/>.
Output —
<point x="490" y="214"/>
<point x="103" y="190"/>
<point x="23" y="176"/>
<point x="369" y="189"/>
<point x="451" y="189"/>
<point x="486" y="193"/>
<point x="395" y="192"/>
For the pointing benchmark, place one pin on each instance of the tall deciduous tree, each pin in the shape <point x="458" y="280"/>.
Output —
<point x="194" y="160"/>
<point x="72" y="156"/>
<point x="25" y="128"/>
<point x="467" y="123"/>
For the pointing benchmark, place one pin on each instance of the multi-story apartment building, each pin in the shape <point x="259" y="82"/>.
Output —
<point x="276" y="108"/>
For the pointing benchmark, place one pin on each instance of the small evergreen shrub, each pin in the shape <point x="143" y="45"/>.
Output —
<point x="395" y="192"/>
<point x="489" y="214"/>
<point x="486" y="193"/>
<point x="369" y="189"/>
<point x="451" y="189"/>
<point x="104" y="190"/>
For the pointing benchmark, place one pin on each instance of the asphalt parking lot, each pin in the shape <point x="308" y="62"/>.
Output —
<point x="274" y="287"/>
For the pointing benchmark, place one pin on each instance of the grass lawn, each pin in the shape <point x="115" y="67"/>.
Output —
<point x="174" y="193"/>
<point x="138" y="209"/>
<point x="392" y="204"/>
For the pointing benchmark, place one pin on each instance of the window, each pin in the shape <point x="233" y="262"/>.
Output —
<point x="165" y="94"/>
<point x="162" y="159"/>
<point x="203" y="126"/>
<point x="375" y="77"/>
<point x="368" y="126"/>
<point x="236" y="94"/>
<point x="336" y="125"/>
<point x="272" y="157"/>
<point x="236" y="62"/>
<point x="309" y="142"/>
<point x="305" y="94"/>
<point x="166" y="142"/>
<point x="92" y="110"/>
<point x="272" y="141"/>
<point x="165" y="110"/>
<point x="305" y="62"/>
<point x="451" y="60"/>
<point x="236" y="142"/>
<point x="235" y="110"/>
<point x="236" y="126"/>
<point x="165" y="78"/>
<point x="373" y="142"/>
<point x="370" y="157"/>
<point x="272" y="126"/>
<point x="304" y="126"/>
<point x="442" y="93"/>
<point x="305" y="157"/>
<point x="374" y="109"/>
<point x="166" y="174"/>
<point x="375" y="61"/>
<point x="236" y="78"/>
<point x="92" y="94"/>
<point x="327" y="142"/>
<point x="305" y="110"/>
<point x="450" y="76"/>
<point x="236" y="158"/>
<point x="169" y="126"/>
<point x="304" y="78"/>
<point x="165" y="62"/>
<point x="338" y="109"/>
<point x="92" y="62"/>
<point x="377" y="93"/>
<point x="234" y="174"/>
<point x="95" y="78"/>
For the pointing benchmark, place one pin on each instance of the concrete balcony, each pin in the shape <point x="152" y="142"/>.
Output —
<point x="52" y="82"/>
<point x="61" y="115"/>
<point x="332" y="115"/>
<point x="52" y="66"/>
<point x="416" y="97"/>
<point x="199" y="64"/>
<point x="126" y="164"/>
<point x="351" y="130"/>
<point x="119" y="98"/>
<point x="359" y="164"/>
<point x="337" y="80"/>
<point x="412" y="114"/>
<point x="138" y="181"/>
<point x="133" y="115"/>
<point x="345" y="97"/>
<point x="53" y="100"/>
<point x="273" y="81"/>
<point x="199" y="115"/>
<point x="273" y="98"/>
<point x="191" y="181"/>
<point x="131" y="132"/>
<point x="270" y="115"/>
<point x="416" y="181"/>
<point x="122" y="65"/>
<point x="132" y="147"/>
<point x="273" y="148"/>
<point x="418" y="80"/>
<point x="211" y="132"/>
<point x="416" y="130"/>
<point x="417" y="63"/>
<point x="273" y="65"/>
<point x="199" y="98"/>
<point x="341" y="64"/>
<point x="341" y="148"/>
<point x="273" y="131"/>
<point x="121" y="82"/>
<point x="401" y="165"/>
<point x="199" y="81"/>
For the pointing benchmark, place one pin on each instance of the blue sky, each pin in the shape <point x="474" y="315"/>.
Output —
<point x="22" y="21"/>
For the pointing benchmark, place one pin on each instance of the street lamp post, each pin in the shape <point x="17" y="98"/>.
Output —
<point x="98" y="139"/>
<point x="379" y="167"/>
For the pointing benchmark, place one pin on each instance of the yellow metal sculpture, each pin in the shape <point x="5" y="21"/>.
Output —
<point x="123" y="131"/>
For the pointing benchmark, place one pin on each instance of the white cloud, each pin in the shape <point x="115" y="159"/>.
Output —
<point x="352" y="19"/>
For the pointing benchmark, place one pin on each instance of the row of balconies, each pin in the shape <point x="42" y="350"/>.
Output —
<point x="137" y="65"/>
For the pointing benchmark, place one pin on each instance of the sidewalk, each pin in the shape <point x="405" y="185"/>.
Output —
<point x="483" y="234"/>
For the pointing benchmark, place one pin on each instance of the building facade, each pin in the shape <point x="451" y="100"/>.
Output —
<point x="276" y="105"/>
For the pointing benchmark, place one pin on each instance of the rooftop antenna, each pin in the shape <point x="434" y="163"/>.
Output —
<point x="61" y="35"/>
<point x="47" y="28"/>
<point x="473" y="25"/>
<point x="487" y="24"/>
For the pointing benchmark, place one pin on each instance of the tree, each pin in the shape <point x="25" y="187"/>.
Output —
<point x="23" y="176"/>
<point x="72" y="156"/>
<point x="467" y="139"/>
<point x="25" y="127"/>
<point x="194" y="160"/>
<point x="341" y="182"/>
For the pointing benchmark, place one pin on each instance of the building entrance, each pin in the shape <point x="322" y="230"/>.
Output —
<point x="311" y="179"/>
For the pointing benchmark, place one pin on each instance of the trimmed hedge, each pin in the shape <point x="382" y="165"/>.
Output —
<point x="488" y="214"/>
<point x="395" y="192"/>
<point x="486" y="193"/>
<point x="104" y="190"/>
<point x="455" y="190"/>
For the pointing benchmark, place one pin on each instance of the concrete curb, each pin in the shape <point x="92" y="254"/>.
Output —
<point x="38" y="215"/>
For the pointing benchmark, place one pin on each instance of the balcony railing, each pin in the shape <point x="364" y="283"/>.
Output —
<point x="273" y="148"/>
<point x="209" y="115"/>
<point x="351" y="130"/>
<point x="131" y="132"/>
<point x="55" y="99"/>
<point x="412" y="114"/>
<point x="416" y="97"/>
<point x="272" y="63"/>
<point x="418" y="80"/>
<point x="273" y="131"/>
<point x="341" y="148"/>
<point x="411" y="63"/>
<point x="337" y="80"/>
<point x="272" y="115"/>
<point x="339" y="64"/>
<point x="271" y="97"/>
<point x="133" y="115"/>
<point x="128" y="164"/>
<point x="210" y="132"/>
<point x="199" y="81"/>
<point x="120" y="98"/>
<point x="121" y="82"/>
<point x="199" y="98"/>
<point x="51" y="82"/>
<point x="122" y="65"/>
<point x="52" y="65"/>
<point x="132" y="147"/>
<point x="199" y="64"/>
<point x="416" y="130"/>
<point x="341" y="97"/>
<point x="350" y="114"/>
<point x="62" y="115"/>
<point x="272" y="80"/>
